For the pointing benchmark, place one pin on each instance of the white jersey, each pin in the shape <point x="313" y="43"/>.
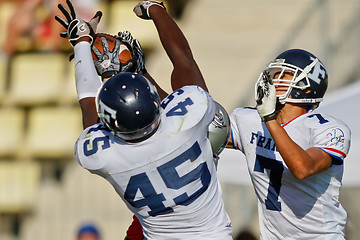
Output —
<point x="290" y="208"/>
<point x="169" y="180"/>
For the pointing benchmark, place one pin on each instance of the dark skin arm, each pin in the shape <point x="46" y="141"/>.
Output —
<point x="161" y="92"/>
<point x="88" y="110"/>
<point x="186" y="71"/>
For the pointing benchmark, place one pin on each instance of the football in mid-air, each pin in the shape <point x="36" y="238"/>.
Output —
<point x="124" y="53"/>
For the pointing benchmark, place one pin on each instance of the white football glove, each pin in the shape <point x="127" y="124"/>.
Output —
<point x="142" y="9"/>
<point x="265" y="97"/>
<point x="76" y="27"/>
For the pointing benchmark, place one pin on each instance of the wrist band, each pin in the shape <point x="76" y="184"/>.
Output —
<point x="269" y="117"/>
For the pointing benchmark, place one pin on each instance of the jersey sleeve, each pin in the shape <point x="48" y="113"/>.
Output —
<point x="210" y="113"/>
<point x="334" y="140"/>
<point x="190" y="105"/>
<point x="235" y="134"/>
<point x="89" y="146"/>
<point x="242" y="119"/>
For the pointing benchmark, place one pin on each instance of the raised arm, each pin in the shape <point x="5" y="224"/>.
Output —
<point x="81" y="35"/>
<point x="302" y="163"/>
<point x="186" y="70"/>
<point x="87" y="82"/>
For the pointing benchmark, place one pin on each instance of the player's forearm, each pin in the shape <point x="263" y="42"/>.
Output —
<point x="86" y="78"/>
<point x="171" y="37"/>
<point x="186" y="71"/>
<point x="87" y="82"/>
<point x="297" y="160"/>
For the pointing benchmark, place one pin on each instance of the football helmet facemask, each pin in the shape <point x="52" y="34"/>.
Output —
<point x="309" y="77"/>
<point x="129" y="105"/>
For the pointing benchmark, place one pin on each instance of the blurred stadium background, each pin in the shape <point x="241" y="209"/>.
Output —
<point x="44" y="194"/>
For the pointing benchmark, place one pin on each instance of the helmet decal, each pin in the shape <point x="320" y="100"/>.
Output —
<point x="108" y="115"/>
<point x="318" y="72"/>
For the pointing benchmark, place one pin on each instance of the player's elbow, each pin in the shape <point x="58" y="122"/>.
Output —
<point x="301" y="174"/>
<point x="184" y="61"/>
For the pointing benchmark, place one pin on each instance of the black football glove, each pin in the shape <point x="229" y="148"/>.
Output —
<point x="136" y="51"/>
<point x="76" y="27"/>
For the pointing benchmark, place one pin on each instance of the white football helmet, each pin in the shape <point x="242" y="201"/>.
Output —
<point x="219" y="131"/>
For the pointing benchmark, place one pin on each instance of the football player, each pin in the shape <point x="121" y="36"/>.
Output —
<point x="294" y="154"/>
<point x="156" y="154"/>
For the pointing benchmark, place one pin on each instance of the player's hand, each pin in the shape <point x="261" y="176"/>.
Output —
<point x="108" y="63"/>
<point x="76" y="27"/>
<point x="137" y="51"/>
<point x="142" y="9"/>
<point x="265" y="97"/>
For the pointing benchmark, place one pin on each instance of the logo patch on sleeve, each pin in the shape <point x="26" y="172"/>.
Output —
<point x="335" y="137"/>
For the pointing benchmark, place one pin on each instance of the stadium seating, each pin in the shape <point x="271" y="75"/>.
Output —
<point x="12" y="130"/>
<point x="19" y="184"/>
<point x="36" y="78"/>
<point x="3" y="76"/>
<point x="6" y="10"/>
<point x="52" y="132"/>
<point x="68" y="94"/>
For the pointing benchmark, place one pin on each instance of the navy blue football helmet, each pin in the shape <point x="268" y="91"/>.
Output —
<point x="310" y="78"/>
<point x="129" y="105"/>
